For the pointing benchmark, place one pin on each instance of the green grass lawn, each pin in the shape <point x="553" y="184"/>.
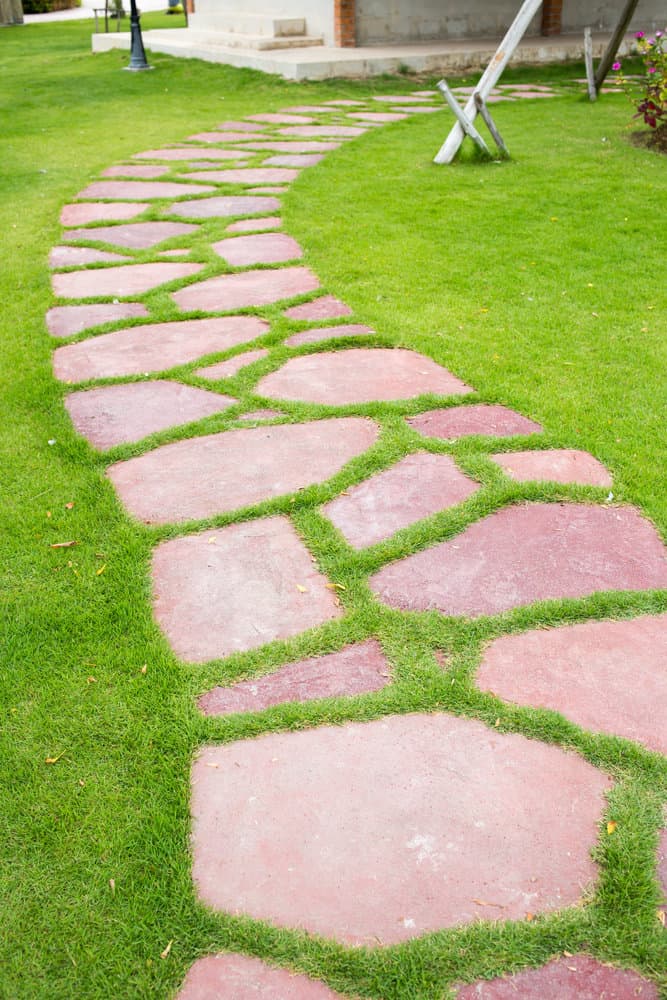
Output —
<point x="540" y="281"/>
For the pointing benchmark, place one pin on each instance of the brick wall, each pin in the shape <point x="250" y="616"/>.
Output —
<point x="552" y="14"/>
<point x="345" y="23"/>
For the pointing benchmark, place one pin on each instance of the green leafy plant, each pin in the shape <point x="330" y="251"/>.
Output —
<point x="652" y="101"/>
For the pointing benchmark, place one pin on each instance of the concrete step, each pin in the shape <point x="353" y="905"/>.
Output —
<point x="203" y="30"/>
<point x="239" y="22"/>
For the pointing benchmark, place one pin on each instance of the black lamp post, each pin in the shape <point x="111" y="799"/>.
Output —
<point x="137" y="54"/>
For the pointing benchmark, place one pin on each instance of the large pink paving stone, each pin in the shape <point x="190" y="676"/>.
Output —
<point x="117" y="414"/>
<point x="405" y="98"/>
<point x="381" y="117"/>
<point x="247" y="175"/>
<point x="559" y="465"/>
<point x="374" y="833"/>
<point x="359" y="375"/>
<point x="225" y="205"/>
<point x="232" y="589"/>
<point x="134" y="235"/>
<point x="354" y="670"/>
<point x="80" y="215"/>
<point x="153" y="347"/>
<point x="239" y="977"/>
<point x="608" y="676"/>
<point x="191" y="153"/>
<point x="204" y="476"/>
<point x="527" y="553"/>
<point x="142" y="189"/>
<point x="121" y="282"/>
<point x="142" y="170"/>
<point x="230" y="367"/>
<point x="66" y="321"/>
<point x="326" y="307"/>
<point x="295" y="160"/>
<point x="242" y="126"/>
<point x="237" y="134"/>
<point x="318" y="131"/>
<point x="418" y="486"/>
<point x="576" y="977"/>
<point x="281" y="119"/>
<point x="264" y="248"/>
<point x="81" y="256"/>
<point x="490" y="420"/>
<point x="255" y="225"/>
<point x="247" y="288"/>
<point x="280" y="146"/>
<point x="329" y="333"/>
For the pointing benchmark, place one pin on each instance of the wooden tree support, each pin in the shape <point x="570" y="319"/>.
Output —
<point x="614" y="43"/>
<point x="467" y="125"/>
<point x="588" y="57"/>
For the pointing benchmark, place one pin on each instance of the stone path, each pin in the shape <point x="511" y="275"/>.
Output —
<point x="371" y="832"/>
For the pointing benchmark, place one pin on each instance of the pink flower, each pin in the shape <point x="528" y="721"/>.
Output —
<point x="651" y="69"/>
<point x="616" y="66"/>
<point x="639" y="34"/>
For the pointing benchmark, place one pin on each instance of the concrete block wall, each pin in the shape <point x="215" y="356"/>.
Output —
<point x="651" y="15"/>
<point x="383" y="21"/>
<point x="318" y="14"/>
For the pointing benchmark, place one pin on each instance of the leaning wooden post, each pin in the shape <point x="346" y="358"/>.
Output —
<point x="490" y="77"/>
<point x="614" y="44"/>
<point x="588" y="57"/>
<point x="466" y="125"/>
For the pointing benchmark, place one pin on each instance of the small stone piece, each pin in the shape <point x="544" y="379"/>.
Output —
<point x="80" y="256"/>
<point x="246" y="175"/>
<point x="233" y="204"/>
<point x="66" y="321"/>
<point x="119" y="282"/>
<point x="329" y="333"/>
<point x="317" y="131"/>
<point x="265" y="248"/>
<point x="255" y="225"/>
<point x="247" y="288"/>
<point x="418" y="486"/>
<point x="353" y="670"/>
<point x="555" y="466"/>
<point x="383" y="117"/>
<point x="80" y="215"/>
<point x="606" y="676"/>
<point x="359" y="375"/>
<point x="118" y="414"/>
<point x="577" y="976"/>
<point x="237" y="135"/>
<point x="204" y="476"/>
<point x="134" y="235"/>
<point x="282" y="119"/>
<point x="192" y="153"/>
<point x="294" y="160"/>
<point x="280" y="146"/>
<point x="326" y="307"/>
<point x="479" y="418"/>
<point x="238" y="977"/>
<point x="136" y="170"/>
<point x="232" y="589"/>
<point x="142" y="189"/>
<point x="229" y="368"/>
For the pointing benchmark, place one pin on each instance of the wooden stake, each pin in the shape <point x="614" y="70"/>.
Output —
<point x="614" y="44"/>
<point x="588" y="57"/>
<point x="490" y="124"/>
<point x="465" y="123"/>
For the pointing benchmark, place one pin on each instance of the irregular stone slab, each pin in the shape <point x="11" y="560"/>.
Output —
<point x="268" y="189"/>
<point x="217" y="473"/>
<point x="419" y="110"/>
<point x="353" y="670"/>
<point x="418" y="486"/>
<point x="239" y="977"/>
<point x="154" y="347"/>
<point x="253" y="225"/>
<point x="280" y="146"/>
<point x="480" y="418"/>
<point x="80" y="215"/>
<point x="134" y="235"/>
<point x="246" y="175"/>
<point x="295" y="159"/>
<point x="191" y="153"/>
<point x="232" y="589"/>
<point x="326" y="307"/>
<point x="117" y="414"/>
<point x="315" y="109"/>
<point x="135" y="170"/>
<point x="559" y="465"/>
<point x="266" y="248"/>
<point x="394" y="828"/>
<point x="329" y="333"/>
<point x="236" y="135"/>
<point x="213" y="208"/>
<point x="281" y="119"/>
<point x="226" y="369"/>
<point x="577" y="976"/>
<point x="256" y="415"/>
<point x="315" y="131"/>
<point x="532" y="552"/>
<point x="405" y="98"/>
<point x="359" y="375"/>
<point x="142" y="189"/>
<point x="609" y="676"/>
<point x="378" y="116"/>
<point x="248" y="288"/>
<point x="80" y="256"/>
<point x="120" y="282"/>
<point x="244" y="126"/>
<point x="66" y="321"/>
<point x="345" y="104"/>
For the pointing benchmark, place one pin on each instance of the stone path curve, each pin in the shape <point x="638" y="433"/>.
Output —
<point x="371" y="832"/>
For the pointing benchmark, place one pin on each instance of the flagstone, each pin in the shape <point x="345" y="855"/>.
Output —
<point x="239" y="977"/>
<point x="253" y="225"/>
<point x="256" y="415"/>
<point x="266" y="248"/>
<point x="117" y="414"/>
<point x="606" y="676"/>
<point x="192" y="153"/>
<point x="238" y="134"/>
<point x="134" y="235"/>
<point x="526" y="553"/>
<point x="80" y="256"/>
<point x="66" y="321"/>
<point x="326" y="307"/>
<point x="246" y="175"/>
<point x="281" y="146"/>
<point x="135" y="170"/>
<point x="405" y="98"/>
<point x="268" y="189"/>
<point x="314" y="109"/>
<point x="232" y="589"/>
<point x="345" y="103"/>
<point x="247" y="288"/>
<point x="486" y="419"/>
<point x="281" y="119"/>
<point x="416" y="487"/>
<point x="121" y="281"/>
<point x="153" y="347"/>
<point x="243" y="126"/>
<point x="378" y="116"/>
<point x="576" y="976"/>
<point x="356" y="669"/>
<point x="418" y="109"/>
<point x="315" y="131"/>
<point x="393" y="828"/>
<point x="80" y="215"/>
<point x="329" y="333"/>
<point x="359" y="375"/>
<point x="556" y="466"/>
<point x="229" y="368"/>
<point x="294" y="160"/>
<point x="217" y="473"/>
<point x="235" y="204"/>
<point x="142" y="189"/>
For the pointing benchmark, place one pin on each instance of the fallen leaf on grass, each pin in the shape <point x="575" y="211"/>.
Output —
<point x="165" y="953"/>
<point x="91" y="679"/>
<point x="483" y="902"/>
<point x="144" y="669"/>
<point x="70" y="505"/>
<point x="112" y="886"/>
<point x="98" y="572"/>
<point x="336" y="586"/>
<point x="63" y="545"/>
<point x="611" y="827"/>
<point x="529" y="916"/>
<point x="54" y="760"/>
<point x="662" y="917"/>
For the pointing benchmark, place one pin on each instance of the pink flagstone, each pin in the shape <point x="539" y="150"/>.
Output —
<point x="118" y="414"/>
<point x="421" y="110"/>
<point x="235" y="204"/>
<point x="329" y="333"/>
<point x="142" y="189"/>
<point x="378" y="116"/>
<point x="479" y="418"/>
<point x="359" y="375"/>
<point x="265" y="248"/>
<point x="527" y="553"/>
<point x="374" y="833"/>
<point x="578" y="977"/>
<point x="66" y="321"/>
<point x="239" y="977"/>
<point x="242" y="126"/>
<point x="229" y="368"/>
<point x="204" y="476"/>
<point x="317" y="131"/>
<point x="135" y="170"/>
<point x="80" y="215"/>
<point x="232" y="589"/>
<point x="556" y="466"/>
<point x="254" y="225"/>
<point x="134" y="235"/>
<point x="294" y="160"/>
<point x="353" y="670"/>
<point x="268" y="189"/>
<point x="235" y="135"/>
<point x="121" y="282"/>
<point x="247" y="288"/>
<point x="606" y="676"/>
<point x="406" y="98"/>
<point x="192" y="153"/>
<point x="80" y="256"/>
<point x="246" y="175"/>
<point x="280" y="146"/>
<point x="152" y="348"/>
<point x="307" y="109"/>
<point x="416" y="487"/>
<point x="326" y="307"/>
<point x="281" y="119"/>
<point x="344" y="103"/>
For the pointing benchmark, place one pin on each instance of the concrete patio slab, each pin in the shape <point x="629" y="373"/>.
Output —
<point x="576" y="976"/>
<point x="120" y="282"/>
<point x="247" y="288"/>
<point x="489" y="420"/>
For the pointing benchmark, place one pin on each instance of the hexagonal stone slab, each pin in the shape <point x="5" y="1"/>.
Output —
<point x="239" y="977"/>
<point x="264" y="248"/>
<point x="191" y="153"/>
<point x="142" y="189"/>
<point x="232" y="589"/>
<point x="248" y="288"/>
<point x="326" y="307"/>
<point x="80" y="256"/>
<point x="66" y="321"/>
<point x="356" y="669"/>
<point x="79" y="215"/>
<point x="246" y="175"/>
<point x="254" y="225"/>
<point x="359" y="375"/>
<point x="416" y="487"/>
<point x="134" y="235"/>
<point x="154" y="347"/>
<point x="527" y="553"/>
<point x="229" y="368"/>
<point x="489" y="420"/>
<point x="233" y="204"/>
<point x="608" y="676"/>
<point x="329" y="333"/>
<point x="577" y="976"/>
<point x="116" y="414"/>
<point x="210" y="475"/>
<point x="135" y="170"/>
<point x="559" y="465"/>
<point x="121" y="281"/>
<point x="393" y="828"/>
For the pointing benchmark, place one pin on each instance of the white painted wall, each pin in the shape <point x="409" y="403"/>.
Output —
<point x="317" y="13"/>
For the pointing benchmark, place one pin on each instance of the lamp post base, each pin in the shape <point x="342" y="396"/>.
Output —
<point x="138" y="59"/>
